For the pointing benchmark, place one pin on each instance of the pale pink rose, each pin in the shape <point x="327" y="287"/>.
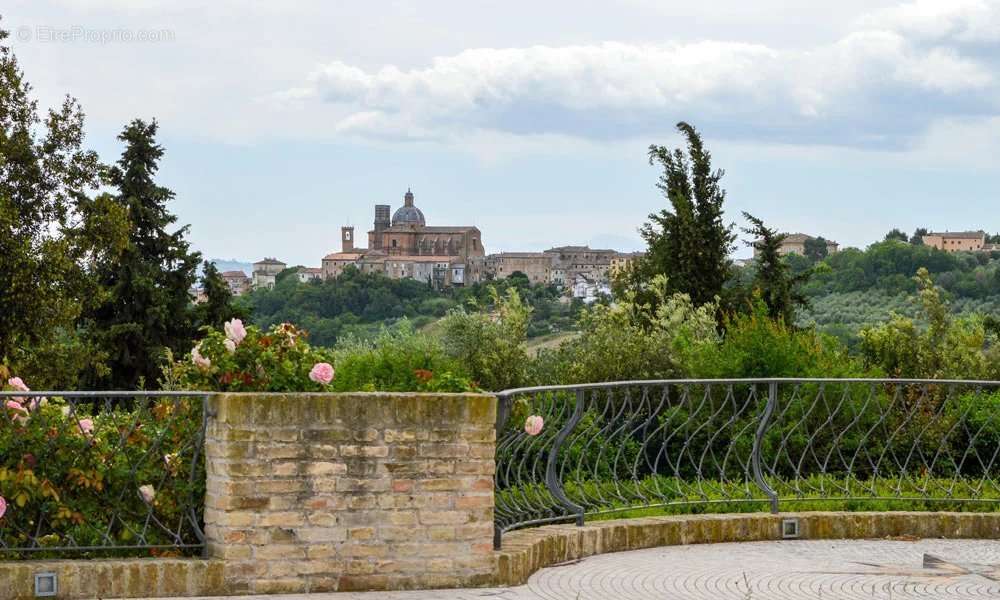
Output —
<point x="201" y="361"/>
<point x="3" y="506"/>
<point x="20" y="413"/>
<point x="230" y="345"/>
<point x="18" y="384"/>
<point x="86" y="426"/>
<point x="147" y="493"/>
<point x="235" y="331"/>
<point x="37" y="402"/>
<point x="322" y="373"/>
<point x="533" y="425"/>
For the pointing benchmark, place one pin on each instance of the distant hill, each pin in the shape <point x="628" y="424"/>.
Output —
<point x="232" y="264"/>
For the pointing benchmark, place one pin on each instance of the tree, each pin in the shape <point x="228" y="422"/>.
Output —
<point x="815" y="248"/>
<point x="917" y="239"/>
<point x="50" y="230"/>
<point x="218" y="306"/>
<point x="773" y="282"/>
<point x="896" y="234"/>
<point x="688" y="240"/>
<point x="148" y="308"/>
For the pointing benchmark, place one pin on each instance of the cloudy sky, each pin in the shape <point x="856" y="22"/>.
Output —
<point x="284" y="120"/>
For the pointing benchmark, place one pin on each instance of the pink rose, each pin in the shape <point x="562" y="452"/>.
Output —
<point x="147" y="493"/>
<point x="533" y="425"/>
<point x="3" y="506"/>
<point x="18" y="384"/>
<point x="20" y="413"/>
<point x="230" y="345"/>
<point x="322" y="373"/>
<point x="86" y="426"/>
<point x="199" y="360"/>
<point x="235" y="331"/>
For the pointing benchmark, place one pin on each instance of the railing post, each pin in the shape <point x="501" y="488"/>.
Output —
<point x="758" y="441"/>
<point x="503" y="414"/>
<point x="552" y="480"/>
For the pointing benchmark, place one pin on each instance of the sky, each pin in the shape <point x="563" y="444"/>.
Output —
<point x="283" y="121"/>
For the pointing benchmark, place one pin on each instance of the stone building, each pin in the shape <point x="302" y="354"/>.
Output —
<point x="795" y="243"/>
<point x="594" y="264"/>
<point x="404" y="246"/>
<point x="237" y="281"/>
<point x="265" y="271"/>
<point x="537" y="266"/>
<point x="956" y="241"/>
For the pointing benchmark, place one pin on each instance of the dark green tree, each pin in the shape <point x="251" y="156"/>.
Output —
<point x="816" y="249"/>
<point x="917" y="239"/>
<point x="773" y="281"/>
<point x="896" y="234"/>
<point x="50" y="230"/>
<point x="148" y="309"/>
<point x="688" y="240"/>
<point x="218" y="306"/>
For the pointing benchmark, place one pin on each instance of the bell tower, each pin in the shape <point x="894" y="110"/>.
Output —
<point x="347" y="239"/>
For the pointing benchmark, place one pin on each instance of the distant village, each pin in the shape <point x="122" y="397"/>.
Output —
<point x="403" y="246"/>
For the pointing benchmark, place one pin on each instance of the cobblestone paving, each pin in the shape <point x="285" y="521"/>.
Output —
<point x="826" y="570"/>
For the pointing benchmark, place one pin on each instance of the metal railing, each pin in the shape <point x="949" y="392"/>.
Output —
<point x="102" y="474"/>
<point x="655" y="447"/>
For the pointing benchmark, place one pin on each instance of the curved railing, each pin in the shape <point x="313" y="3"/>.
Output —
<point x="654" y="447"/>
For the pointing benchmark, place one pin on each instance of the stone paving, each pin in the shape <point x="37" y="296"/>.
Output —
<point x="799" y="569"/>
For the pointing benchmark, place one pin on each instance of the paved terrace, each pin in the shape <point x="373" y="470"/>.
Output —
<point x="799" y="569"/>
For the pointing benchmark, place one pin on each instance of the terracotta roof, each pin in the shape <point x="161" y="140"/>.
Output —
<point x="343" y="256"/>
<point x="422" y="258"/>
<point x="233" y="274"/>
<point x="269" y="261"/>
<point x="961" y="235"/>
<point x="310" y="270"/>
<point x="520" y="255"/>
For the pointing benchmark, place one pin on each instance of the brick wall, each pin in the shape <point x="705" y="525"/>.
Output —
<point x="327" y="492"/>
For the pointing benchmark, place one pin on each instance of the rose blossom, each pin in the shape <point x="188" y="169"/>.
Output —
<point x="230" y="345"/>
<point x="533" y="425"/>
<point x="86" y="426"/>
<point x="20" y="413"/>
<point x="198" y="359"/>
<point x="235" y="330"/>
<point x="322" y="373"/>
<point x="147" y="493"/>
<point x="3" y="506"/>
<point x="18" y="384"/>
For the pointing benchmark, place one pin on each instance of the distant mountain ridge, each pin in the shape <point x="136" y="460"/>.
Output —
<point x="232" y="264"/>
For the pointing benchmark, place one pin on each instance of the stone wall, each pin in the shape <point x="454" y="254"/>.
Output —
<point x="327" y="492"/>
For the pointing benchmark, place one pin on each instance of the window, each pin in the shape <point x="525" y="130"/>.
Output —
<point x="393" y="243"/>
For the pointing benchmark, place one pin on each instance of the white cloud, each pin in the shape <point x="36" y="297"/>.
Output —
<point x="874" y="87"/>
<point x="970" y="21"/>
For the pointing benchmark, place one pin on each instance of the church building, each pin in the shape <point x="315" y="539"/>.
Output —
<point x="406" y="247"/>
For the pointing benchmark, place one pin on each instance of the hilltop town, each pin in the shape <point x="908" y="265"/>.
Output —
<point x="403" y="246"/>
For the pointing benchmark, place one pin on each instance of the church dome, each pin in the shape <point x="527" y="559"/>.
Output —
<point x="408" y="214"/>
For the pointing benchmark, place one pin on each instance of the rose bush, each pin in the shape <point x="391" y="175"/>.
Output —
<point x="246" y="359"/>
<point x="79" y="473"/>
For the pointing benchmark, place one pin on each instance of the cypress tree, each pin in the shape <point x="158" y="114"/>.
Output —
<point x="688" y="240"/>
<point x="773" y="281"/>
<point x="148" y="308"/>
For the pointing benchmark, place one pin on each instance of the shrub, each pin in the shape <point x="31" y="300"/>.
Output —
<point x="249" y="360"/>
<point x="398" y="359"/>
<point x="89" y="474"/>
<point x="631" y="339"/>
<point x="491" y="347"/>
